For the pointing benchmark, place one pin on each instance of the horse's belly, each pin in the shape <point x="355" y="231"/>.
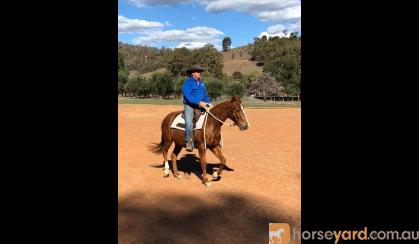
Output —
<point x="179" y="138"/>
<point x="211" y="140"/>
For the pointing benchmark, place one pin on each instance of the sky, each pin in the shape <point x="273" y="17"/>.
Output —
<point x="192" y="23"/>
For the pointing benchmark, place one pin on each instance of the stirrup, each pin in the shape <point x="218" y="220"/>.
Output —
<point x="191" y="146"/>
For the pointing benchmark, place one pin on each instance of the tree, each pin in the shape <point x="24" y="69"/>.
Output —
<point x="226" y="44"/>
<point x="178" y="85"/>
<point x="121" y="64"/>
<point x="237" y="75"/>
<point x="122" y="74"/>
<point x="144" y="59"/>
<point x="265" y="85"/>
<point x="260" y="50"/>
<point x="264" y="38"/>
<point x="251" y="77"/>
<point x="164" y="84"/>
<point x="210" y="59"/>
<point x="179" y="61"/>
<point x="122" y="80"/>
<point x="286" y="66"/>
<point x="215" y="88"/>
<point x="121" y="88"/>
<point x="282" y="58"/>
<point x="135" y="86"/>
<point x="143" y="87"/>
<point x="236" y="89"/>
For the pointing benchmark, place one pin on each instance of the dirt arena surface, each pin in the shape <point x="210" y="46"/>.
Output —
<point x="260" y="185"/>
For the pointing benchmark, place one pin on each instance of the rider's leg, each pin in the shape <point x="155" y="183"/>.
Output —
<point x="188" y="112"/>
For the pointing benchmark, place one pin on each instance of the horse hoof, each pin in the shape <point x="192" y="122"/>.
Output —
<point x="208" y="184"/>
<point x="215" y="175"/>
<point x="179" y="176"/>
<point x="165" y="173"/>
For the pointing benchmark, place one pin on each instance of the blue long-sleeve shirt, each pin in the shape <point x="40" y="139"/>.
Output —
<point x="194" y="92"/>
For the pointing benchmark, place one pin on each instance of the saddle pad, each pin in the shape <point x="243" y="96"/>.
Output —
<point x="180" y="120"/>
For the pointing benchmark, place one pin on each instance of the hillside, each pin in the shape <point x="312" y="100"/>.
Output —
<point x="146" y="60"/>
<point x="279" y="58"/>
<point x="238" y="59"/>
<point x="134" y="73"/>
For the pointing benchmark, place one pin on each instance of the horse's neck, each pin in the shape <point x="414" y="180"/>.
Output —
<point x="220" y="113"/>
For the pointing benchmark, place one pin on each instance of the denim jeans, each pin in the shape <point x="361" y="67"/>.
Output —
<point x="188" y="113"/>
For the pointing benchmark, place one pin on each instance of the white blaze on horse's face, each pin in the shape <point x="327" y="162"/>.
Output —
<point x="241" y="118"/>
<point x="247" y="121"/>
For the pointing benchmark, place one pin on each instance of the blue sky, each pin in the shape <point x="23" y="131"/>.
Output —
<point x="192" y="23"/>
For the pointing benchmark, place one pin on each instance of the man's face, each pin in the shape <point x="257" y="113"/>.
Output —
<point x="196" y="74"/>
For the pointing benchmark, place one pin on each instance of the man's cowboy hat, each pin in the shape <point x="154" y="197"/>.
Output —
<point x="195" y="68"/>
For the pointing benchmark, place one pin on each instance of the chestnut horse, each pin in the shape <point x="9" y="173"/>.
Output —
<point x="230" y="109"/>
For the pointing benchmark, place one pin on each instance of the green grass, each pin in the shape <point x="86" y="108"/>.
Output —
<point x="247" y="102"/>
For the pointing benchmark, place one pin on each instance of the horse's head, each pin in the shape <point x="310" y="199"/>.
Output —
<point x="237" y="113"/>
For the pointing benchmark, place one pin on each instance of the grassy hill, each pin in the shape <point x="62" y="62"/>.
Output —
<point x="238" y="59"/>
<point x="148" y="60"/>
<point x="134" y="73"/>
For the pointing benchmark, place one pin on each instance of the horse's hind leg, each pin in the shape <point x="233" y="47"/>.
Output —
<point x="174" y="155"/>
<point x="166" y="147"/>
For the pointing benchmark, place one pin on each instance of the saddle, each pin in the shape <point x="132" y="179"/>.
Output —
<point x="197" y="114"/>
<point x="198" y="120"/>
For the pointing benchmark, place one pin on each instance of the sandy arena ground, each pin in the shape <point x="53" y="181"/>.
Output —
<point x="262" y="184"/>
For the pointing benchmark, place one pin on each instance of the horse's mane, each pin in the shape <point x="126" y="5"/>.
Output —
<point x="221" y="105"/>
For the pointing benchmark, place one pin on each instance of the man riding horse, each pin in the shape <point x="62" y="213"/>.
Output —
<point x="195" y="96"/>
<point x="209" y="137"/>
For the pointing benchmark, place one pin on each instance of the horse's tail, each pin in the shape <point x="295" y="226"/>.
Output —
<point x="157" y="148"/>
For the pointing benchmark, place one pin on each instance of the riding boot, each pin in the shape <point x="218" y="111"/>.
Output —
<point x="189" y="146"/>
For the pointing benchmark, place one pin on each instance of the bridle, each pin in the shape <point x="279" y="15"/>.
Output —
<point x="229" y="124"/>
<point x="207" y="108"/>
<point x="222" y="122"/>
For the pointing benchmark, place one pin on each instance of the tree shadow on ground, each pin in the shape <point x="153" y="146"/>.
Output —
<point x="230" y="218"/>
<point x="191" y="164"/>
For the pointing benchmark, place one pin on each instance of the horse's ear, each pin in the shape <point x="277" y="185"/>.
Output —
<point x="235" y="99"/>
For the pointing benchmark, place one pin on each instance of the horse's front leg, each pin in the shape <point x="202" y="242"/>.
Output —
<point x="202" y="156"/>
<point x="217" y="151"/>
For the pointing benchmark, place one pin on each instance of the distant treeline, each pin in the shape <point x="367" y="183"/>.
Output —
<point x="280" y="57"/>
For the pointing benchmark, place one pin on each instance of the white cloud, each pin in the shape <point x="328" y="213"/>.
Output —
<point x="267" y="10"/>
<point x="191" y="38"/>
<point x="295" y="26"/>
<point x="278" y="30"/>
<point x="286" y="14"/>
<point x="250" y="5"/>
<point x="191" y="45"/>
<point x="144" y="3"/>
<point x="267" y="34"/>
<point x="126" y="25"/>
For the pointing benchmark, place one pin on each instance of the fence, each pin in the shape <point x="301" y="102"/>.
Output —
<point x="291" y="98"/>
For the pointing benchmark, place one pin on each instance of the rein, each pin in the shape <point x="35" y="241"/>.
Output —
<point x="205" y="125"/>
<point x="207" y="109"/>
<point x="229" y="124"/>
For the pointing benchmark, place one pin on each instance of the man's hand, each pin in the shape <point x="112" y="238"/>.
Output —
<point x="202" y="104"/>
